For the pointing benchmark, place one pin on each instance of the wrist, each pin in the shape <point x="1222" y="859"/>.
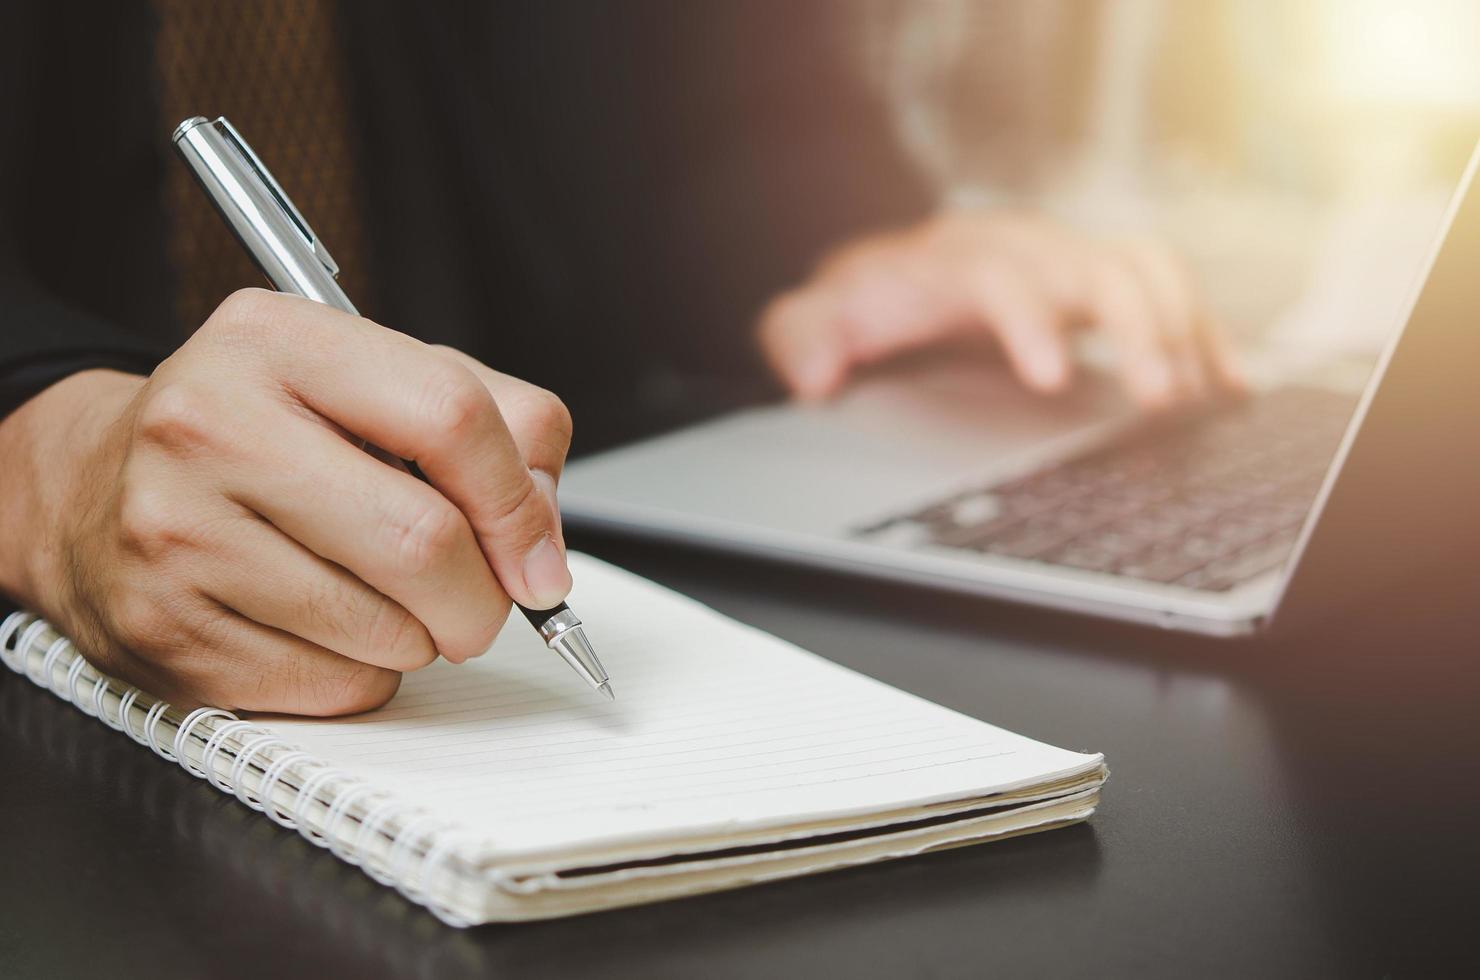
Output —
<point x="48" y="448"/>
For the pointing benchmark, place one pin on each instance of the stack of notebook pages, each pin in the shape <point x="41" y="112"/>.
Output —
<point x="503" y="789"/>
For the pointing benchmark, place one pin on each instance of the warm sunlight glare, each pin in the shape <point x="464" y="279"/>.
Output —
<point x="1417" y="53"/>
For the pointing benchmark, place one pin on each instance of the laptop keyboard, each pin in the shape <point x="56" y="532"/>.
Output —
<point x="1206" y="502"/>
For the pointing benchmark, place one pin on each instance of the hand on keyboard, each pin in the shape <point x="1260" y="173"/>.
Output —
<point x="1016" y="277"/>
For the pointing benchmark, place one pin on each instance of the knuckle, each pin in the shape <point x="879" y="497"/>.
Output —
<point x="138" y="622"/>
<point x="176" y="417"/>
<point x="252" y="323"/>
<point x="420" y="540"/>
<point x="522" y="506"/>
<point x="252" y="307"/>
<point x="456" y="402"/>
<point x="548" y="418"/>
<point x="149" y="624"/>
<point x="148" y="523"/>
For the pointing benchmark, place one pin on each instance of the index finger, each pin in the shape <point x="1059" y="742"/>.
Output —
<point x="537" y="420"/>
<point x="399" y="394"/>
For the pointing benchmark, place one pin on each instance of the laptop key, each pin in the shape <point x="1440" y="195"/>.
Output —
<point x="1161" y="565"/>
<point x="1241" y="566"/>
<point x="1205" y="503"/>
<point x="1089" y="559"/>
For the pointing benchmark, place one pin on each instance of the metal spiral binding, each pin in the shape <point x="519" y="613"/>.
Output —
<point x="126" y="713"/>
<point x="419" y="849"/>
<point x="246" y="757"/>
<point x="213" y="747"/>
<point x="151" y="722"/>
<point x="342" y="802"/>
<point x="74" y="672"/>
<point x="28" y="636"/>
<point x="266" y="792"/>
<point x="12" y="624"/>
<point x="187" y="727"/>
<point x="49" y="660"/>
<point x="371" y="825"/>
<point x="307" y="794"/>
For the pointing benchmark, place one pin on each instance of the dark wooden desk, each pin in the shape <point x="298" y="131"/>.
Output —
<point x="1295" y="808"/>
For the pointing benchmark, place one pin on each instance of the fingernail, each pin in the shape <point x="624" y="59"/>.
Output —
<point x="545" y="574"/>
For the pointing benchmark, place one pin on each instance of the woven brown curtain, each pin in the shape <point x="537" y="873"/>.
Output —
<point x="274" y="68"/>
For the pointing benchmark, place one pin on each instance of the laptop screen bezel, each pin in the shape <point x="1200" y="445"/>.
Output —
<point x="1375" y="380"/>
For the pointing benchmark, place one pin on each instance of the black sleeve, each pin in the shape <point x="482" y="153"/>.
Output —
<point x="43" y="341"/>
<point x="44" y="336"/>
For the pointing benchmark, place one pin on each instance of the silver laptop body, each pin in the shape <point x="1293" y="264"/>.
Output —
<point x="945" y="473"/>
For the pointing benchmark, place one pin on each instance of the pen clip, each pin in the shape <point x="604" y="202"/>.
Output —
<point x="275" y="189"/>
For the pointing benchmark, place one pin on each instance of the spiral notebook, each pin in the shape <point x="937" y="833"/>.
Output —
<point x="502" y="789"/>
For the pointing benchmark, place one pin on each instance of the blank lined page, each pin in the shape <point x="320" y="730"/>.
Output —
<point x="717" y="727"/>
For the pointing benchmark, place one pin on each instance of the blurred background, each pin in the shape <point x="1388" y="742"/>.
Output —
<point x="635" y="181"/>
<point x="1300" y="153"/>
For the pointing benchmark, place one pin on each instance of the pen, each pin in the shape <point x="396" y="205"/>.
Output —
<point x="288" y="252"/>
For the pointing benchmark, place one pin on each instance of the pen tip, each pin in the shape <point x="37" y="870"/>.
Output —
<point x="606" y="690"/>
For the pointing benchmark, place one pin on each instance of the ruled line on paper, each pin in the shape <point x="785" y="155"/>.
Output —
<point x="549" y="730"/>
<point x="490" y="695"/>
<point x="658" y="760"/>
<point x="602" y="746"/>
<point x="534" y="814"/>
<point x="424" y="728"/>
<point x="435" y="690"/>
<point x="709" y="715"/>
<point x="588" y="784"/>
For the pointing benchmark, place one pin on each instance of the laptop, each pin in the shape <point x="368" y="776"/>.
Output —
<point x="949" y="475"/>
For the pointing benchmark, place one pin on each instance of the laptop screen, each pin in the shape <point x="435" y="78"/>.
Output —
<point x="1399" y="509"/>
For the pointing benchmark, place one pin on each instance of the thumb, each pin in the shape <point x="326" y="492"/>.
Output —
<point x="474" y="461"/>
<point x="523" y="543"/>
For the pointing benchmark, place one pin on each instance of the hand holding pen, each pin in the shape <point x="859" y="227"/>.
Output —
<point x="295" y="261"/>
<point x="216" y="534"/>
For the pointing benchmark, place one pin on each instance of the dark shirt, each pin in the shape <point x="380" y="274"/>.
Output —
<point x="598" y="197"/>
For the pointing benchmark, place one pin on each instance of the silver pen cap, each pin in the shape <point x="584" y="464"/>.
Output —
<point x="257" y="211"/>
